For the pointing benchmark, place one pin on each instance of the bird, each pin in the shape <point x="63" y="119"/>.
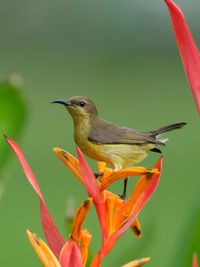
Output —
<point x="104" y="141"/>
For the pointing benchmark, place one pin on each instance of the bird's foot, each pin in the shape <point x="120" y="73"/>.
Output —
<point x="98" y="174"/>
<point x="123" y="196"/>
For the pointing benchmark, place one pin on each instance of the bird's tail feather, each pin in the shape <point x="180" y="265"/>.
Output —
<point x="167" y="128"/>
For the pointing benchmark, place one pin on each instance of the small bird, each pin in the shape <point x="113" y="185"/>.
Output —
<point x="107" y="142"/>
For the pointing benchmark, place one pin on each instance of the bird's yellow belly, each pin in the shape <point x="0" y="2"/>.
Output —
<point x="117" y="155"/>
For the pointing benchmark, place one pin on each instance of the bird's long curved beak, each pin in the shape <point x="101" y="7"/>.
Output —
<point x="65" y="102"/>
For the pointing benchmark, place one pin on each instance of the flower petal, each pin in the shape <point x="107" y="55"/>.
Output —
<point x="44" y="253"/>
<point x="85" y="241"/>
<point x="195" y="262"/>
<point x="70" y="161"/>
<point x="137" y="263"/>
<point x="70" y="255"/>
<point x="110" y="205"/>
<point x="92" y="187"/>
<point x="143" y="198"/>
<point x="106" y="181"/>
<point x="79" y="219"/>
<point x="187" y="48"/>
<point x="52" y="234"/>
<point x="130" y="203"/>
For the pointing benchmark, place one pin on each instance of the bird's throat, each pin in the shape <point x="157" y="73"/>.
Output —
<point x="81" y="130"/>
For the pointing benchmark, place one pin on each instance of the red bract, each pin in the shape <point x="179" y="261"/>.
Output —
<point x="68" y="253"/>
<point x="92" y="187"/>
<point x="188" y="50"/>
<point x="195" y="261"/>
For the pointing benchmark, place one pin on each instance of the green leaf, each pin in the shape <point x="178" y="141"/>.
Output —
<point x="13" y="113"/>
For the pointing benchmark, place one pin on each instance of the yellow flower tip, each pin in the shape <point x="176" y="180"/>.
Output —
<point x="62" y="154"/>
<point x="101" y="166"/>
<point x="57" y="150"/>
<point x="43" y="252"/>
<point x="137" y="263"/>
<point x="79" y="219"/>
<point x="85" y="237"/>
<point x="35" y="241"/>
<point x="70" y="161"/>
<point x="85" y="241"/>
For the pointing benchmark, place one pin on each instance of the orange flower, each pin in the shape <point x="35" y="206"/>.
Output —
<point x="115" y="215"/>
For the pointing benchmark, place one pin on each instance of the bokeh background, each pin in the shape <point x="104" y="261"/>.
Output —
<point x="121" y="54"/>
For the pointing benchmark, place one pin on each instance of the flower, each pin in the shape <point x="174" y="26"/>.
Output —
<point x="115" y="215"/>
<point x="70" y="255"/>
<point x="188" y="50"/>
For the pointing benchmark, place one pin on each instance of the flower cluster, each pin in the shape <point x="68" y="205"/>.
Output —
<point x="115" y="215"/>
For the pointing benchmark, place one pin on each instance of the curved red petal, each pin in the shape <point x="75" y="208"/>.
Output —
<point x="52" y="234"/>
<point x="70" y="255"/>
<point x="93" y="190"/>
<point x="188" y="50"/>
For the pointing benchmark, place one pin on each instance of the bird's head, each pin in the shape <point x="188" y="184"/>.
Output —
<point x="79" y="106"/>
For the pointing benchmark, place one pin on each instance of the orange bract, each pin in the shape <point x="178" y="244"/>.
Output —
<point x="70" y="161"/>
<point x="115" y="214"/>
<point x="44" y="253"/>
<point x="137" y="263"/>
<point x="79" y="219"/>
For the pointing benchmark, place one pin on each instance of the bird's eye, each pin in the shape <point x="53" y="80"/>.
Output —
<point x="82" y="103"/>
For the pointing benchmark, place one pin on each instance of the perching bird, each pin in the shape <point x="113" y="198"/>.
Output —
<point x="107" y="142"/>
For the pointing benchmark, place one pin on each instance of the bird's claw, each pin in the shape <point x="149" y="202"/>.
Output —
<point x="123" y="196"/>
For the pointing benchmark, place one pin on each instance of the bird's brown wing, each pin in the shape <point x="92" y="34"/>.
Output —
<point x="103" y="132"/>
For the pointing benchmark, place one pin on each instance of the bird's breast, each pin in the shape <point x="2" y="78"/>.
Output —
<point x="117" y="155"/>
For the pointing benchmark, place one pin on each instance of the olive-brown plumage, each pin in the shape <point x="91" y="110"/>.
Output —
<point x="104" y="141"/>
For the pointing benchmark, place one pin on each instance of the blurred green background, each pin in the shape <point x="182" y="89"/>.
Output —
<point x="121" y="54"/>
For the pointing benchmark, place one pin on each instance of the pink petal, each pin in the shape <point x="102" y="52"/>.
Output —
<point x="52" y="234"/>
<point x="195" y="261"/>
<point x="93" y="190"/>
<point x="188" y="50"/>
<point x="70" y="255"/>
